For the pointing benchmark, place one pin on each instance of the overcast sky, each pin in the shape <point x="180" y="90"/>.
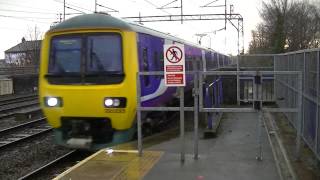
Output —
<point x="18" y="18"/>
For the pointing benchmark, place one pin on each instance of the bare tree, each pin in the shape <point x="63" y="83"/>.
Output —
<point x="303" y="26"/>
<point x="287" y="26"/>
<point x="34" y="36"/>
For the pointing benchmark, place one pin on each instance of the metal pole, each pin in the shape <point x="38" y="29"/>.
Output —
<point x="139" y="115"/>
<point x="299" y="122"/>
<point x="238" y="43"/>
<point x="218" y="60"/>
<point x="274" y="79"/>
<point x="238" y="81"/>
<point x="259" y="124"/>
<point x="64" y="9"/>
<point x="196" y="112"/>
<point x="182" y="150"/>
<point x="95" y="6"/>
<point x="200" y="91"/>
<point x="225" y="14"/>
<point x="260" y="119"/>
<point x="317" y="117"/>
<point x="181" y="12"/>
<point x="242" y="33"/>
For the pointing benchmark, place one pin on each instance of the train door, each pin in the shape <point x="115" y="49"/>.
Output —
<point x="149" y="48"/>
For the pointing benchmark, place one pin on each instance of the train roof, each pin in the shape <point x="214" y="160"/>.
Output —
<point x="92" y="21"/>
<point x="99" y="20"/>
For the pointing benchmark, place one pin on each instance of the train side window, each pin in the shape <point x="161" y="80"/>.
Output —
<point x="156" y="61"/>
<point x="145" y="66"/>
<point x="161" y="60"/>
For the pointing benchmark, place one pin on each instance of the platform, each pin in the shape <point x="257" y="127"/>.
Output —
<point x="232" y="155"/>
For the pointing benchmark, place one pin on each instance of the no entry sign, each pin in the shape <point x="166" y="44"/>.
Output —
<point x="174" y="65"/>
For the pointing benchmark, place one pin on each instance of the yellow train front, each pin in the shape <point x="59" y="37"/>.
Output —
<point x="87" y="81"/>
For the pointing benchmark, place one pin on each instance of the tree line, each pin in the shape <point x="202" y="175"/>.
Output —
<point x="287" y="25"/>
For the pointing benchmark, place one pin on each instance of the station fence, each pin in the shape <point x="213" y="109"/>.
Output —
<point x="307" y="62"/>
<point x="290" y="81"/>
<point x="200" y="83"/>
<point x="285" y="88"/>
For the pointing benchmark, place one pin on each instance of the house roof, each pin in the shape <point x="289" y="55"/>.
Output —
<point x="25" y="46"/>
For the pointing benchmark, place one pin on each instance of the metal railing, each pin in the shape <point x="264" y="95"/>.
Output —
<point x="285" y="89"/>
<point x="181" y="109"/>
<point x="291" y="80"/>
<point x="198" y="90"/>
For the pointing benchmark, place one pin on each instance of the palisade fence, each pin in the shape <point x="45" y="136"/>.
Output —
<point x="283" y="89"/>
<point x="306" y="61"/>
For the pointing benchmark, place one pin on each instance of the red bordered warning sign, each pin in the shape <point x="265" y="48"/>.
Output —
<point x="174" y="65"/>
<point x="174" y="54"/>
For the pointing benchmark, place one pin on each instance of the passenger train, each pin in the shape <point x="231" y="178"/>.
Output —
<point x="87" y="81"/>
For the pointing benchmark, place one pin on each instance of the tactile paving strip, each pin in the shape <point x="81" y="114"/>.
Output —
<point x="116" y="165"/>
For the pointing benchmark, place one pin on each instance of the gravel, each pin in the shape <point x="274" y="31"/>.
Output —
<point x="12" y="121"/>
<point x="28" y="156"/>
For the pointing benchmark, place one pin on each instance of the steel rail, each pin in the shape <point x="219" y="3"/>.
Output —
<point x="21" y="139"/>
<point x="42" y="169"/>
<point x="5" y="131"/>
<point x="12" y="97"/>
<point x="17" y="100"/>
<point x="20" y="105"/>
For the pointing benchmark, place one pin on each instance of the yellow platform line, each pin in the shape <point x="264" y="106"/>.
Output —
<point x="76" y="166"/>
<point x="116" y="165"/>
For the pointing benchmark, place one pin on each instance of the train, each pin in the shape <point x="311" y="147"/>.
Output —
<point x="87" y="79"/>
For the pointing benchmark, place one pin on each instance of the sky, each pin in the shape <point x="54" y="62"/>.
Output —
<point x="30" y="19"/>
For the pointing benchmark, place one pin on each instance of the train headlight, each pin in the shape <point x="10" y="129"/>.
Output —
<point x="108" y="102"/>
<point x="53" y="101"/>
<point x="115" y="102"/>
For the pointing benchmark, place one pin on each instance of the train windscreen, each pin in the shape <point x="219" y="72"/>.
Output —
<point x="86" y="59"/>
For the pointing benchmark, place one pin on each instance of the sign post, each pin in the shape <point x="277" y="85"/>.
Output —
<point x="175" y="76"/>
<point x="174" y="65"/>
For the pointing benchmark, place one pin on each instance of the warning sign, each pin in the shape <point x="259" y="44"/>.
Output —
<point x="174" y="65"/>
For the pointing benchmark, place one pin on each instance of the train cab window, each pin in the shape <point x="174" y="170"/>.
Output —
<point x="145" y="66"/>
<point x="104" y="54"/>
<point x="65" y="55"/>
<point x="86" y="59"/>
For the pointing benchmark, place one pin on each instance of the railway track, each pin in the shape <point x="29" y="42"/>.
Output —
<point x="22" y="132"/>
<point x="17" y="99"/>
<point x="66" y="160"/>
<point x="12" y="109"/>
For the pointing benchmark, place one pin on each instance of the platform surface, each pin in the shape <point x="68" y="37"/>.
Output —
<point x="230" y="156"/>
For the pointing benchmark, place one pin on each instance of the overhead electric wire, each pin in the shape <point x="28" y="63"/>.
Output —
<point x="20" y="11"/>
<point x="25" y="18"/>
<point x="75" y="9"/>
<point x="157" y="7"/>
<point x="29" y="7"/>
<point x="75" y="6"/>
